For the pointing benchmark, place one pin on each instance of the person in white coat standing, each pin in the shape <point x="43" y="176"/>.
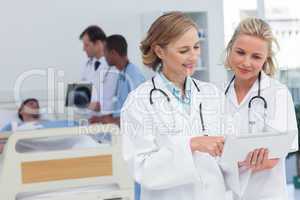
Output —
<point x="96" y="70"/>
<point x="250" y="55"/>
<point x="170" y="124"/>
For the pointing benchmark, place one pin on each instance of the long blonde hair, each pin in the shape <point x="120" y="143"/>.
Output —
<point x="259" y="28"/>
<point x="164" y="30"/>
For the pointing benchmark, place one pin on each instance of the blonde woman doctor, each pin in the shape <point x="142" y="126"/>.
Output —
<point x="165" y="120"/>
<point x="250" y="57"/>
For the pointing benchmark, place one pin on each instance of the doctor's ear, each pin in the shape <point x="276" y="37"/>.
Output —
<point x="158" y="50"/>
<point x="113" y="52"/>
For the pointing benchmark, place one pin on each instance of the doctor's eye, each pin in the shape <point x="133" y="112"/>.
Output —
<point x="240" y="52"/>
<point x="197" y="47"/>
<point x="183" y="51"/>
<point x="256" y="57"/>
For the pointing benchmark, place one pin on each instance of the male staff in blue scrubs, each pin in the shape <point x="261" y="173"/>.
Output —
<point x="96" y="70"/>
<point x="129" y="77"/>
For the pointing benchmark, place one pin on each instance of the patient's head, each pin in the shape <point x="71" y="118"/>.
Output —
<point x="29" y="110"/>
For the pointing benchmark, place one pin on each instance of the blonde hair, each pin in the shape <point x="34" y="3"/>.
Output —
<point x="164" y="30"/>
<point x="259" y="28"/>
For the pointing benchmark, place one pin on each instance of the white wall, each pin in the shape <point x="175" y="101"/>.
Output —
<point x="232" y="14"/>
<point x="38" y="34"/>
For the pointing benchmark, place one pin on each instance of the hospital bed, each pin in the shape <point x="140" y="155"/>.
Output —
<point x="78" y="174"/>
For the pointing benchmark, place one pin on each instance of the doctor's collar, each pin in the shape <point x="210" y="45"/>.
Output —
<point x="265" y="83"/>
<point x="186" y="98"/>
<point x="91" y="60"/>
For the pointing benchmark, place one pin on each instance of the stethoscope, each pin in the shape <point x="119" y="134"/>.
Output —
<point x="251" y="122"/>
<point x="168" y="99"/>
<point x="122" y="77"/>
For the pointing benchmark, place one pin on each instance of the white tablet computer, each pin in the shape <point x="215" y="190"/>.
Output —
<point x="236" y="148"/>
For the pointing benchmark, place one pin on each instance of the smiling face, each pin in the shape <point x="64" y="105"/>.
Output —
<point x="247" y="57"/>
<point x="179" y="57"/>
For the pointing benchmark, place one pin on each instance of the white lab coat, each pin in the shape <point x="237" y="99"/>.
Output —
<point x="104" y="81"/>
<point x="268" y="184"/>
<point x="156" y="144"/>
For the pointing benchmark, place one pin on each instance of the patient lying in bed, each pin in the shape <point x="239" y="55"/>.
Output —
<point x="29" y="119"/>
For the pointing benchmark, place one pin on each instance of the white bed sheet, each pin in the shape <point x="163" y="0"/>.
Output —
<point x="56" y="143"/>
<point x="68" y="193"/>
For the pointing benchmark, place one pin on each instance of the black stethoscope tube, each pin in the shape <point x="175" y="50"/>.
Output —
<point x="168" y="99"/>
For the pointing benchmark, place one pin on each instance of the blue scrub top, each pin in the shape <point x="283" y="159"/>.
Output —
<point x="129" y="79"/>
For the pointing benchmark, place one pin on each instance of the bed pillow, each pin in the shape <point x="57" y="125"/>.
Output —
<point x="8" y="116"/>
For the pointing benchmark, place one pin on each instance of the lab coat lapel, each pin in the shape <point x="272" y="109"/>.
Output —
<point x="231" y="95"/>
<point x="167" y="112"/>
<point x="195" y="109"/>
<point x="265" y="83"/>
<point x="210" y="100"/>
